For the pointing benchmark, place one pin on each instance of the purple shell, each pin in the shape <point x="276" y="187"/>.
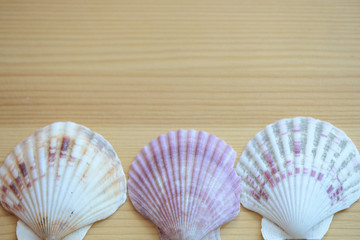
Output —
<point x="185" y="183"/>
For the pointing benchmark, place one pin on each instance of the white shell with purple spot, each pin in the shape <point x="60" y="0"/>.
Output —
<point x="297" y="173"/>
<point x="60" y="180"/>
<point x="185" y="182"/>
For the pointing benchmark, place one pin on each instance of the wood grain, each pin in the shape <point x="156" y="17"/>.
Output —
<point x="132" y="70"/>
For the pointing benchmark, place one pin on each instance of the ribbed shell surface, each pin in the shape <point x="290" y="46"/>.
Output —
<point x="298" y="172"/>
<point x="185" y="183"/>
<point x="62" y="178"/>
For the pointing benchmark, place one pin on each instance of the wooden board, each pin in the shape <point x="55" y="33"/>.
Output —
<point x="132" y="70"/>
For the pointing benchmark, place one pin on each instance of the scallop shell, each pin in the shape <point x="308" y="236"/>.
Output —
<point x="60" y="180"/>
<point x="297" y="173"/>
<point x="185" y="183"/>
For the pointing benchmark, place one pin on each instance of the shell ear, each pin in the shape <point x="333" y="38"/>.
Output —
<point x="78" y="234"/>
<point x="214" y="235"/>
<point x="271" y="231"/>
<point x="23" y="232"/>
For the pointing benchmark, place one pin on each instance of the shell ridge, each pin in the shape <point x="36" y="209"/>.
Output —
<point x="140" y="163"/>
<point x="274" y="163"/>
<point x="227" y="153"/>
<point x="355" y="186"/>
<point x="332" y="141"/>
<point x="28" y="214"/>
<point x="338" y="173"/>
<point x="52" y="153"/>
<point x="172" y="140"/>
<point x="190" y="156"/>
<point x="34" y="175"/>
<point x="73" y="186"/>
<point x="207" y="181"/>
<point x="283" y="133"/>
<point x="65" y="153"/>
<point x="164" y="147"/>
<point x="85" y="206"/>
<point x="308" y="140"/>
<point x="17" y="187"/>
<point x="353" y="162"/>
<point x="156" y="187"/>
<point x="137" y="169"/>
<point x="318" y="187"/>
<point x="327" y="156"/>
<point x="62" y="155"/>
<point x="269" y="152"/>
<point x="228" y="211"/>
<point x="166" y="156"/>
<point x="139" y="197"/>
<point x="297" y="145"/>
<point x="252" y="174"/>
<point x="221" y="155"/>
<point x="294" y="127"/>
<point x="159" y="212"/>
<point x="183" y="146"/>
<point x="143" y="164"/>
<point x="291" y="166"/>
<point x="251" y="177"/>
<point x="96" y="214"/>
<point x="159" y="160"/>
<point x="180" y="161"/>
<point x="294" y="178"/>
<point x="206" y="159"/>
<point x="201" y="147"/>
<point x="313" y="187"/>
<point x="66" y="146"/>
<point x="211" y="186"/>
<point x="42" y="182"/>
<point x="48" y="211"/>
<point x="267" y="193"/>
<point x="46" y="176"/>
<point x="192" y="137"/>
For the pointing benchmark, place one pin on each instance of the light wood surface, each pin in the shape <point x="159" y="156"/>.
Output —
<point x="132" y="70"/>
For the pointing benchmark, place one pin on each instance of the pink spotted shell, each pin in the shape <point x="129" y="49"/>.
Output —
<point x="297" y="173"/>
<point x="185" y="183"/>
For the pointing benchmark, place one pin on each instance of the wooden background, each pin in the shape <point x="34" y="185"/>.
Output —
<point x="132" y="70"/>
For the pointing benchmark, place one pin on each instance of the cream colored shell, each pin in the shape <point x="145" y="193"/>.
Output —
<point x="297" y="173"/>
<point x="61" y="179"/>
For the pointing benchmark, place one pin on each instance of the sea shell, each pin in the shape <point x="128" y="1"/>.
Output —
<point x="297" y="173"/>
<point x="185" y="183"/>
<point x="60" y="180"/>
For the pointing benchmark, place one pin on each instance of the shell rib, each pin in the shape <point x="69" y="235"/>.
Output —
<point x="297" y="173"/>
<point x="185" y="183"/>
<point x="60" y="180"/>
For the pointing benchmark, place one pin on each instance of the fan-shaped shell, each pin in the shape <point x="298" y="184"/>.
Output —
<point x="185" y="183"/>
<point x="61" y="179"/>
<point x="297" y="173"/>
